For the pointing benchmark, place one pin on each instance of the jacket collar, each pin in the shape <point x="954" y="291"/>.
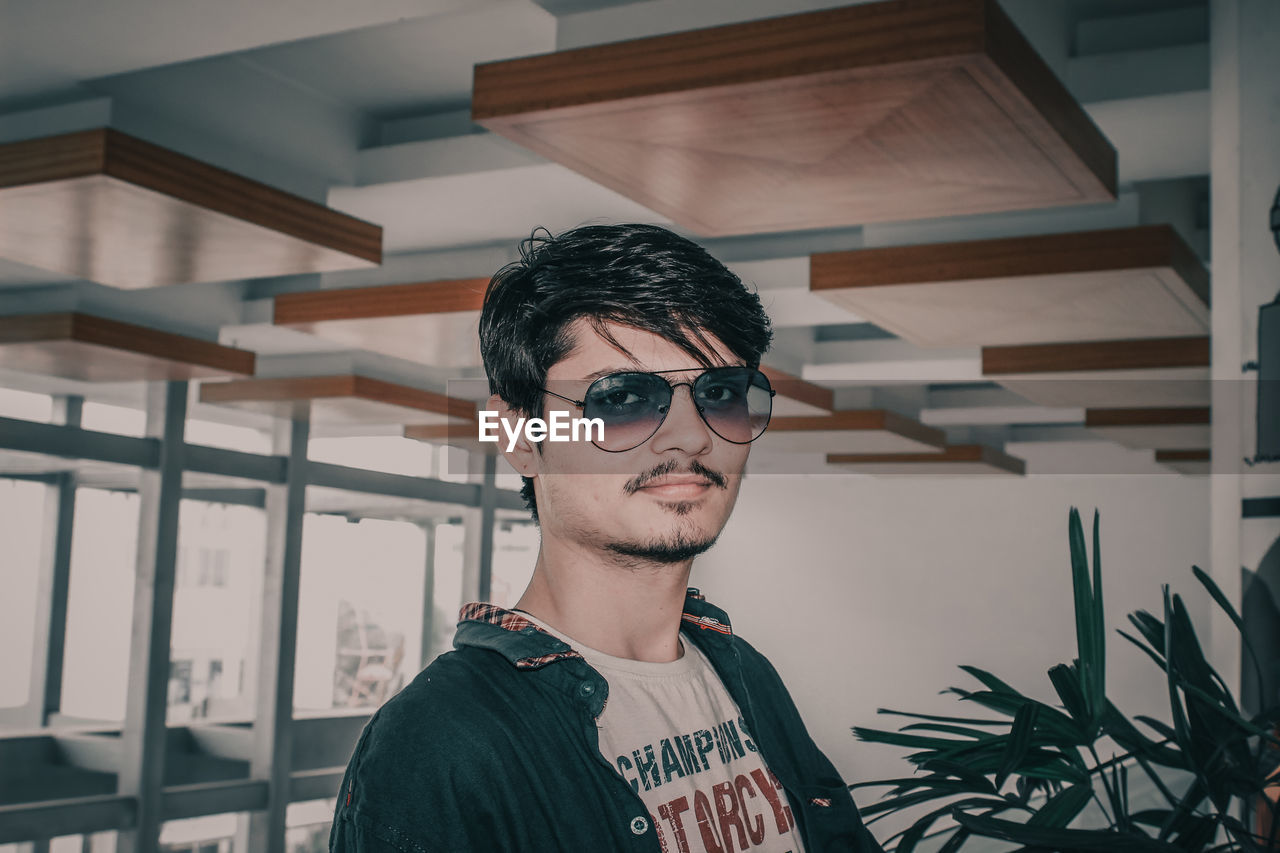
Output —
<point x="527" y="646"/>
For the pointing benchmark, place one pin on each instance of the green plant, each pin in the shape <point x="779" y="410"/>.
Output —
<point x="1040" y="763"/>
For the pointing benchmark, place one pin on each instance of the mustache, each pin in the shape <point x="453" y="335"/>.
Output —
<point x="671" y="466"/>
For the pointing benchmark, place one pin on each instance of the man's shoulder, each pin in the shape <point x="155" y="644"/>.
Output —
<point x="458" y="693"/>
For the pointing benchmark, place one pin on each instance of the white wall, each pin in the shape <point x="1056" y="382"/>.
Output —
<point x="868" y="592"/>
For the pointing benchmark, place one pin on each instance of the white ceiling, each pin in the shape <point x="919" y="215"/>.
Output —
<point x="363" y="105"/>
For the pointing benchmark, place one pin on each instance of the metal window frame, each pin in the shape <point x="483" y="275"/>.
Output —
<point x="139" y="751"/>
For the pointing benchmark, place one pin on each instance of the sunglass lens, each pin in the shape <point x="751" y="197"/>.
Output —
<point x="631" y="406"/>
<point x="735" y="402"/>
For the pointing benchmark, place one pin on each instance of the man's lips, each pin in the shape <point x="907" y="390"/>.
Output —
<point x="677" y="487"/>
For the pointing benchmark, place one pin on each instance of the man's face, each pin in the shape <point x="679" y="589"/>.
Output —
<point x="664" y="501"/>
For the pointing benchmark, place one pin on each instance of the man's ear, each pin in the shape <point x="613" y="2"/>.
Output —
<point x="523" y="456"/>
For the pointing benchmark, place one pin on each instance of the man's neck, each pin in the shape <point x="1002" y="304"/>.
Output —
<point x="625" y="610"/>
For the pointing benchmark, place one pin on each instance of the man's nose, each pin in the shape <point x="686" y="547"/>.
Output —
<point x="683" y="429"/>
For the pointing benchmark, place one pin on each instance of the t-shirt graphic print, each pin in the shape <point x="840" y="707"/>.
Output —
<point x="672" y="731"/>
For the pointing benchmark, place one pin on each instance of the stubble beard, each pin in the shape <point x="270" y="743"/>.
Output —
<point x="679" y="546"/>
<point x="685" y="541"/>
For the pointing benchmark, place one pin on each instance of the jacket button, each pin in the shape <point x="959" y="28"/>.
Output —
<point x="586" y="688"/>
<point x="639" y="825"/>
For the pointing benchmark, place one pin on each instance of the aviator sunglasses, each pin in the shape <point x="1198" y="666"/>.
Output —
<point x="734" y="402"/>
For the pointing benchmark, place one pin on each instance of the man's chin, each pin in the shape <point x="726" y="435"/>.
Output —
<point x="677" y="549"/>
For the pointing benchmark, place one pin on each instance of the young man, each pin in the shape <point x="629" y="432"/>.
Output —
<point x="613" y="708"/>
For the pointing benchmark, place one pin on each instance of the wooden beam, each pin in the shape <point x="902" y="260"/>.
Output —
<point x="390" y="300"/>
<point x="1146" y="417"/>
<point x="808" y="395"/>
<point x="1097" y="356"/>
<point x="464" y="435"/>
<point x="1177" y="428"/>
<point x="1183" y="455"/>
<point x="1191" y="462"/>
<point x="815" y="120"/>
<point x="88" y="348"/>
<point x="1152" y="372"/>
<point x="861" y="430"/>
<point x="108" y="207"/>
<point x="338" y="399"/>
<point x="426" y="322"/>
<point x="955" y="459"/>
<point x="1114" y="284"/>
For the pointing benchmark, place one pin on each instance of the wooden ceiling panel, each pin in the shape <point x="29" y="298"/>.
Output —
<point x="464" y="435"/>
<point x="1155" y="373"/>
<point x="796" y="397"/>
<point x="344" y="400"/>
<point x="432" y="322"/>
<point x="104" y="206"/>
<point x="1124" y="283"/>
<point x="87" y="348"/>
<point x="874" y="112"/>
<point x="1178" y="428"/>
<point x="859" y="431"/>
<point x="1190" y="462"/>
<point x="963" y="459"/>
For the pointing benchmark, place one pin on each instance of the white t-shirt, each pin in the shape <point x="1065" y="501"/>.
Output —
<point x="672" y="731"/>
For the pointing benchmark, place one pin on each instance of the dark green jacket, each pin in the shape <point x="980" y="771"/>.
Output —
<point x="493" y="748"/>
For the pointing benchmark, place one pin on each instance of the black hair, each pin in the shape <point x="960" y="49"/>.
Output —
<point x="641" y="276"/>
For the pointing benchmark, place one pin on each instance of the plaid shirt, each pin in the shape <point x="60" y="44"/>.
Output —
<point x="493" y="748"/>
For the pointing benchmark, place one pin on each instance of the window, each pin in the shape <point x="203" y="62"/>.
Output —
<point x="446" y="596"/>
<point x="103" y="417"/>
<point x="100" y="604"/>
<point x="515" y="551"/>
<point x="179" y="682"/>
<point x="207" y="834"/>
<point x="21" y="517"/>
<point x="212" y="434"/>
<point x="217" y="608"/>
<point x="25" y="405"/>
<point x="307" y="826"/>
<point x="359" y="618"/>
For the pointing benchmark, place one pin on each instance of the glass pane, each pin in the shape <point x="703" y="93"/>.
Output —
<point x="506" y="477"/>
<point x="446" y="595"/>
<point x="216" y="610"/>
<point x="515" y="551"/>
<point x="103" y="417"/>
<point x="103" y="842"/>
<point x="25" y="405"/>
<point x="307" y="826"/>
<point x="212" y="434"/>
<point x="208" y="834"/>
<point x="21" y="519"/>
<point x="359" y="611"/>
<point x="455" y="464"/>
<point x="104" y="541"/>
